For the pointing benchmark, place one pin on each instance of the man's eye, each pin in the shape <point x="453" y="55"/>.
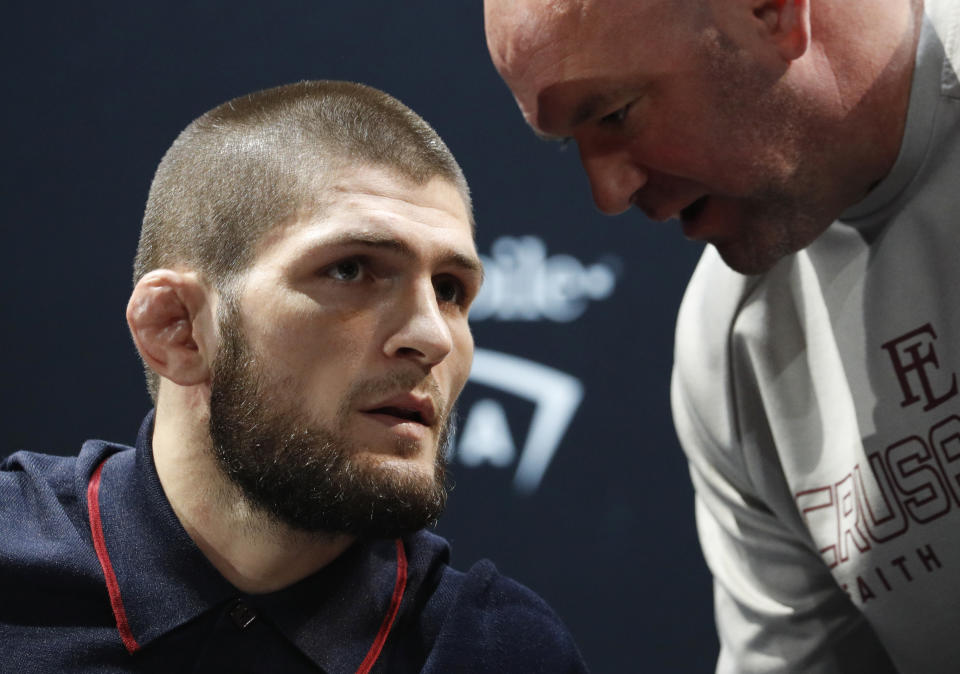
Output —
<point x="449" y="289"/>
<point x="617" y="116"/>
<point x="346" y="270"/>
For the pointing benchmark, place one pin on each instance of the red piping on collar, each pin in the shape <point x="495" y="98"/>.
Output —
<point x="388" y="619"/>
<point x="100" y="545"/>
<point x="120" y="614"/>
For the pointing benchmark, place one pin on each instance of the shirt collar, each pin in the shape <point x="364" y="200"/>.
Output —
<point x="165" y="580"/>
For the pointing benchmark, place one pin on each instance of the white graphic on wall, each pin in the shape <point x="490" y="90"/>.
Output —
<point x="523" y="284"/>
<point x="485" y="435"/>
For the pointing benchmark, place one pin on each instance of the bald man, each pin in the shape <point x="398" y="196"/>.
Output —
<point x="816" y="147"/>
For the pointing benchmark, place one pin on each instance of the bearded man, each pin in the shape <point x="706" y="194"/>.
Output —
<point x="302" y="286"/>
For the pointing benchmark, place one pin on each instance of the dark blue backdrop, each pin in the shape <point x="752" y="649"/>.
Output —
<point x="567" y="470"/>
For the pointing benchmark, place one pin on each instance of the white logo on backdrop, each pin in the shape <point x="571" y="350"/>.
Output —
<point x="524" y="284"/>
<point x="486" y="436"/>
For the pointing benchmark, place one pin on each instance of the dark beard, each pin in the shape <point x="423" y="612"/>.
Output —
<point x="307" y="476"/>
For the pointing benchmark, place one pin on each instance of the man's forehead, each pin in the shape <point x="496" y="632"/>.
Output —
<point x="518" y="29"/>
<point x="375" y="204"/>
<point x="382" y="192"/>
<point x="538" y="46"/>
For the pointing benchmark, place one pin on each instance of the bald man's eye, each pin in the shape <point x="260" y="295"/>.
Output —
<point x="618" y="116"/>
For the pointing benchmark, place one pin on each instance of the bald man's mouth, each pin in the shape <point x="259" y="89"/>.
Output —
<point x="693" y="211"/>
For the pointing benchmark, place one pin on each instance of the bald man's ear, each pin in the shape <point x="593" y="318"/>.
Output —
<point x="777" y="32"/>
<point x="785" y="24"/>
<point x="171" y="322"/>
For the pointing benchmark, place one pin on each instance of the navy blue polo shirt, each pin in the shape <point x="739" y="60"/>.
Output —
<point x="98" y="575"/>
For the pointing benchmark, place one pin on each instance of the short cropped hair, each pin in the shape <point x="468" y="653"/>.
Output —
<point x="257" y="161"/>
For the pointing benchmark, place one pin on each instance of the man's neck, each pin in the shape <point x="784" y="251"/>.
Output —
<point x="249" y="548"/>
<point x="872" y="76"/>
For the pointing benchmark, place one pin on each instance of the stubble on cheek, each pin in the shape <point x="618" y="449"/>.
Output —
<point x="774" y="174"/>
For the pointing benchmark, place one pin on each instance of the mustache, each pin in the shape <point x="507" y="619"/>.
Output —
<point x="404" y="381"/>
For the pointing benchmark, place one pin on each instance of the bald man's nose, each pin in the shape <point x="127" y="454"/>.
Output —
<point x="614" y="177"/>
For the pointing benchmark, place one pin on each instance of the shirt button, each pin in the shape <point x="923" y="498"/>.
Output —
<point x="242" y="615"/>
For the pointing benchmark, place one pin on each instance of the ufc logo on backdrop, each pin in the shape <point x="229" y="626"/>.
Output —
<point x="915" y="363"/>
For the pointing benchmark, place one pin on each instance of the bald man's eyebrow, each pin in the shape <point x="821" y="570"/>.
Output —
<point x="601" y="104"/>
<point x="384" y="241"/>
<point x="591" y="107"/>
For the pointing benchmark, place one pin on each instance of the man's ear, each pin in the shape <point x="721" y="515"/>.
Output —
<point x="785" y="24"/>
<point x="168" y="315"/>
<point x="776" y="30"/>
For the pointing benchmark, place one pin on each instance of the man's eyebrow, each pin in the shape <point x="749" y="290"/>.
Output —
<point x="586" y="110"/>
<point x="383" y="241"/>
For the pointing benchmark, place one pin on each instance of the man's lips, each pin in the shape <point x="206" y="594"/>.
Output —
<point x="663" y="206"/>
<point x="693" y="211"/>
<point x="406" y="407"/>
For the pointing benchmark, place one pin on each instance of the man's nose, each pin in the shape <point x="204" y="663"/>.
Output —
<point x="614" y="176"/>
<point x="422" y="333"/>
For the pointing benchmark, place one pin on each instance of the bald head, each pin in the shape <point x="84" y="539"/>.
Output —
<point x="535" y="44"/>
<point x="515" y="28"/>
